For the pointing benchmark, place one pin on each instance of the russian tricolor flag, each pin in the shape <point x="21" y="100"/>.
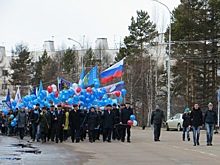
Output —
<point x="114" y="71"/>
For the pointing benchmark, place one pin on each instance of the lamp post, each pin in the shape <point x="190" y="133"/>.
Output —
<point x="168" y="62"/>
<point x="80" y="47"/>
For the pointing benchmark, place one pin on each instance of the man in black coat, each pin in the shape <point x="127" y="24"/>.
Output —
<point x="196" y="123"/>
<point x="157" y="117"/>
<point x="75" y="122"/>
<point x="34" y="122"/>
<point x="59" y="123"/>
<point x="115" y="134"/>
<point x="108" y="122"/>
<point x="126" y="112"/>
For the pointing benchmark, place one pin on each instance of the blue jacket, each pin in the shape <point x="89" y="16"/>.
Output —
<point x="210" y="117"/>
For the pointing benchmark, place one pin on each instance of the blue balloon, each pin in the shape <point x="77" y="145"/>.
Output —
<point x="94" y="91"/>
<point x="123" y="92"/>
<point x="132" y="117"/>
<point x="13" y="123"/>
<point x="88" y="95"/>
<point x="105" y="96"/>
<point x="56" y="101"/>
<point x="5" y="111"/>
<point x="83" y="92"/>
<point x="30" y="106"/>
<point x="70" y="101"/>
<point x="81" y="97"/>
<point x="14" y="103"/>
<point x="12" y="116"/>
<point x="71" y="92"/>
<point x="88" y="100"/>
<point x="76" y="98"/>
<point x="96" y="84"/>
<point x="33" y="97"/>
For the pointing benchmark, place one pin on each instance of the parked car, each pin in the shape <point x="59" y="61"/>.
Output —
<point x="175" y="122"/>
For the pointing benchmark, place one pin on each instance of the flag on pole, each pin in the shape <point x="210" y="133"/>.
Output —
<point x="63" y="84"/>
<point x="90" y="77"/>
<point x="114" y="71"/>
<point x="18" y="97"/>
<point x="113" y="87"/>
<point x="81" y="79"/>
<point x="8" y="99"/>
<point x="34" y="92"/>
<point x="40" y="87"/>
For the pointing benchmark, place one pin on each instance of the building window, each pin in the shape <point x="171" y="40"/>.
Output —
<point x="4" y="72"/>
<point x="4" y="86"/>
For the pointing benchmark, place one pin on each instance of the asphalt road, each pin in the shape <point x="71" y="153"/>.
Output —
<point x="142" y="150"/>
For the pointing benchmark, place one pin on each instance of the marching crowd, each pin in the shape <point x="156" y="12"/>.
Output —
<point x="58" y="123"/>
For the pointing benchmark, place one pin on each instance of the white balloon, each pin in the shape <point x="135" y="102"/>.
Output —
<point x="54" y="87"/>
<point x="75" y="86"/>
<point x="135" y="123"/>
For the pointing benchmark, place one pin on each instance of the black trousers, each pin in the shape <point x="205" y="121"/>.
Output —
<point x="107" y="133"/>
<point x="157" y="128"/>
<point x="75" y="135"/>
<point x="21" y="132"/>
<point x="43" y="136"/>
<point x="92" y="135"/>
<point x="125" y="129"/>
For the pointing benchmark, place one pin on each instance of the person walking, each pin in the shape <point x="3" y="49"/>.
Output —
<point x="22" y="122"/>
<point x="93" y="121"/>
<point x="196" y="120"/>
<point x="108" y="123"/>
<point x="75" y="123"/>
<point x="66" y="126"/>
<point x="126" y="112"/>
<point x="115" y="134"/>
<point x="34" y="122"/>
<point x="157" y="118"/>
<point x="186" y="123"/>
<point x="44" y="122"/>
<point x="210" y="120"/>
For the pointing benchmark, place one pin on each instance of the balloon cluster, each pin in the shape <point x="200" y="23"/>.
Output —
<point x="132" y="121"/>
<point x="91" y="96"/>
<point x="14" y="120"/>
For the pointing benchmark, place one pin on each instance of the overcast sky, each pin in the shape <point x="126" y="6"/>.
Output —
<point x="35" y="21"/>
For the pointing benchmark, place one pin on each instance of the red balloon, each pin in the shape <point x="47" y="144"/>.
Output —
<point x="89" y="89"/>
<point x="56" y="94"/>
<point x="130" y="122"/>
<point x="78" y="89"/>
<point x="49" y="89"/>
<point x="117" y="93"/>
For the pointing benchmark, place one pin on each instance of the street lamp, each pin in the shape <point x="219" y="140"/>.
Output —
<point x="80" y="47"/>
<point x="168" y="62"/>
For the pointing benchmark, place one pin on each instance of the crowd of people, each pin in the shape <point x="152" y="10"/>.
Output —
<point x="58" y="123"/>
<point x="192" y="120"/>
<point x="196" y="120"/>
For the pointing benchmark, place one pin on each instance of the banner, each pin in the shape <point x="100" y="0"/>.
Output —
<point x="63" y="84"/>
<point x="114" y="87"/>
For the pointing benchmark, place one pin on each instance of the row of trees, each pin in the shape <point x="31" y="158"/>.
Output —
<point x="195" y="51"/>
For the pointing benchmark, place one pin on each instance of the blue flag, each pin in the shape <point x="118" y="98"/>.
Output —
<point x="89" y="77"/>
<point x="8" y="99"/>
<point x="34" y="92"/>
<point x="40" y="88"/>
<point x="63" y="84"/>
<point x="81" y="79"/>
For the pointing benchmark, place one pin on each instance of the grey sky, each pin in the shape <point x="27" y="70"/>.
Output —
<point x="34" y="21"/>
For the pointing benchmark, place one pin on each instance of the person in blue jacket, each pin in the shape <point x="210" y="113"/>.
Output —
<point x="210" y="120"/>
<point x="186" y="123"/>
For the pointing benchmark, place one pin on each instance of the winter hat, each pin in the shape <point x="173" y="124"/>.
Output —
<point x="210" y="104"/>
<point x="186" y="110"/>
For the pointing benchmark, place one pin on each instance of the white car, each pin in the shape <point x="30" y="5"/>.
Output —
<point x="175" y="122"/>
